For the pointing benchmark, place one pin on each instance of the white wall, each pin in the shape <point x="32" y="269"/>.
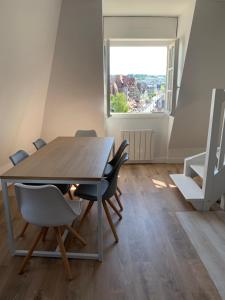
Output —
<point x="76" y="91"/>
<point x="143" y="7"/>
<point x="140" y="27"/>
<point x="27" y="39"/>
<point x="28" y="30"/>
<point x="204" y="69"/>
<point x="159" y="123"/>
<point x="183" y="33"/>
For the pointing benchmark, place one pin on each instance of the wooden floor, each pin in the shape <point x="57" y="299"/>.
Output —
<point x="207" y="233"/>
<point x="154" y="258"/>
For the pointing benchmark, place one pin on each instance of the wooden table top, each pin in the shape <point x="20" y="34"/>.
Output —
<point x="66" y="158"/>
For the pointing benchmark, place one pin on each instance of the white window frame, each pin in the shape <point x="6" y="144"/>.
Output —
<point x="169" y="43"/>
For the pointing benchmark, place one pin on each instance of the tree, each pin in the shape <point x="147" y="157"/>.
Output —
<point x="151" y="94"/>
<point x="162" y="88"/>
<point x="119" y="103"/>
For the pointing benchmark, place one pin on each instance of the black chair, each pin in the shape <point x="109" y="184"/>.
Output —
<point x="86" y="133"/>
<point x="111" y="164"/>
<point x="39" y="143"/>
<point x="108" y="189"/>
<point x="19" y="156"/>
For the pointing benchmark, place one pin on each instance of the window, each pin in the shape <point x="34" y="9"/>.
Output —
<point x="139" y="77"/>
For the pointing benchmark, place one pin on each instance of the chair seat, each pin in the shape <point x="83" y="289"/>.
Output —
<point x="108" y="169"/>
<point x="64" y="188"/>
<point x="89" y="191"/>
<point x="75" y="205"/>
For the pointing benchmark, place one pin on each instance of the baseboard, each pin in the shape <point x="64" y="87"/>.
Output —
<point x="174" y="156"/>
<point x="159" y="160"/>
<point x="175" y="160"/>
<point x="182" y="153"/>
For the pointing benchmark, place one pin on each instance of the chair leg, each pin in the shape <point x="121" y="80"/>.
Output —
<point x="44" y="234"/>
<point x="26" y="259"/>
<point x="119" y="190"/>
<point x="118" y="201"/>
<point x="110" y="220"/>
<point x="87" y="210"/>
<point x="114" y="208"/>
<point x="76" y="235"/>
<point x="23" y="230"/>
<point x="63" y="252"/>
<point x="70" y="195"/>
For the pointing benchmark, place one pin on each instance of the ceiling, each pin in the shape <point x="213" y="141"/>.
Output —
<point x="144" y="7"/>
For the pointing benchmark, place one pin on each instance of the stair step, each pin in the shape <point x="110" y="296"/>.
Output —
<point x="199" y="169"/>
<point x="188" y="187"/>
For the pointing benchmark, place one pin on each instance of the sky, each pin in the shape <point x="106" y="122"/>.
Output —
<point x="138" y="60"/>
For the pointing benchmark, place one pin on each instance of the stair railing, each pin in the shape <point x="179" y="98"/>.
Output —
<point x="214" y="174"/>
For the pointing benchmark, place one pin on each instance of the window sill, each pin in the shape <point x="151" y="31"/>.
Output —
<point x="155" y="115"/>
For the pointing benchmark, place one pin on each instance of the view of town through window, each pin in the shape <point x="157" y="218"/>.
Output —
<point x="138" y="79"/>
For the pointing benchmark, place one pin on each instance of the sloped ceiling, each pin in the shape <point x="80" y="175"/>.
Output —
<point x="204" y="69"/>
<point x="144" y="7"/>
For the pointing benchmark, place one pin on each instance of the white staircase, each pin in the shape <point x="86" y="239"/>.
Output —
<point x="210" y="165"/>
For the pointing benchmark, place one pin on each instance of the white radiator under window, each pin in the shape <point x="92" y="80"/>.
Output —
<point x="140" y="148"/>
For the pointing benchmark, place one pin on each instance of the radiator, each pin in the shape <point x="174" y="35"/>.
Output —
<point x="140" y="148"/>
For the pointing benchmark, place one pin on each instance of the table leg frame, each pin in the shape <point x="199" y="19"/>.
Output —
<point x="8" y="217"/>
<point x="57" y="254"/>
<point x="100" y="238"/>
<point x="54" y="254"/>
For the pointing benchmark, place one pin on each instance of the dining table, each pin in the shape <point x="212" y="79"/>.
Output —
<point x="65" y="160"/>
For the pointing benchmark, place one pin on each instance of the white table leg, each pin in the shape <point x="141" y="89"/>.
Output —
<point x="100" y="238"/>
<point x="8" y="217"/>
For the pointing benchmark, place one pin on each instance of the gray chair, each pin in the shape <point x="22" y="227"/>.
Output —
<point x="111" y="164"/>
<point x="18" y="157"/>
<point x="108" y="189"/>
<point x="86" y="133"/>
<point x="39" y="143"/>
<point x="45" y="206"/>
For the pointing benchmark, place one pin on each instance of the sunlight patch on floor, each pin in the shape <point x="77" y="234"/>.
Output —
<point x="159" y="184"/>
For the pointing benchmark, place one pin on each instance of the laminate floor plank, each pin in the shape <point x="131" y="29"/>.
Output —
<point x="154" y="258"/>
<point x="207" y="233"/>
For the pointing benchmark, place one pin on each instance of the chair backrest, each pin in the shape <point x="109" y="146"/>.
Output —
<point x="119" y="152"/>
<point x="18" y="157"/>
<point x="39" y="143"/>
<point x="86" y="133"/>
<point x="43" y="205"/>
<point x="113" y="177"/>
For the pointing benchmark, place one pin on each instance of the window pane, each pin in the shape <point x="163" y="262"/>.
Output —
<point x="138" y="79"/>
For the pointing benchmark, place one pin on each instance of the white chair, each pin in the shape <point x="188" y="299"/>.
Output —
<point x="46" y="207"/>
<point x="17" y="158"/>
